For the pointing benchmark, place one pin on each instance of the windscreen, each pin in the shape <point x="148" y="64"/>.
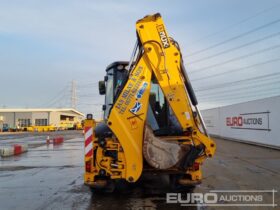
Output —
<point x="109" y="93"/>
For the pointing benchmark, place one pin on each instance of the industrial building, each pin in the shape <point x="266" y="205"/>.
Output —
<point x="63" y="118"/>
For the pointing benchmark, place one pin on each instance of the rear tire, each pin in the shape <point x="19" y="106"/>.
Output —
<point x="108" y="188"/>
<point x="176" y="186"/>
<point x="119" y="185"/>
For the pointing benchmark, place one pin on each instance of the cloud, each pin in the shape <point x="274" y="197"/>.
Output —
<point x="46" y="44"/>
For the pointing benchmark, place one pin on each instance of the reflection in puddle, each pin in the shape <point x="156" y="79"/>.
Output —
<point x="149" y="193"/>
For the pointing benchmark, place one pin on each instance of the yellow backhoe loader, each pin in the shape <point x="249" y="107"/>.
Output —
<point x="151" y="120"/>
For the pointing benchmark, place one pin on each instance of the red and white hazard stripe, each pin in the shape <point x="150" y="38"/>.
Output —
<point x="88" y="141"/>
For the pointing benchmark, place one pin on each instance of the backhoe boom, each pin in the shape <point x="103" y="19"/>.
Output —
<point x="153" y="121"/>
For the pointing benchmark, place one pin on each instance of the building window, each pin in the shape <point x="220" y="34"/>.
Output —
<point x="66" y="118"/>
<point x="41" y="122"/>
<point x="24" y="122"/>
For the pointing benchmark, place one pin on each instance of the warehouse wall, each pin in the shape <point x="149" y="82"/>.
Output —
<point x="8" y="118"/>
<point x="39" y="115"/>
<point x="54" y="118"/>
<point x="255" y="121"/>
<point x="22" y="115"/>
<point x="11" y="118"/>
<point x="29" y="117"/>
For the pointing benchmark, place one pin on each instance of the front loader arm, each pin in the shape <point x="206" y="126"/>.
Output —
<point x="161" y="58"/>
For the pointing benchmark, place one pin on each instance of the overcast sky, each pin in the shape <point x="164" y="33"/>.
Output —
<point x="44" y="45"/>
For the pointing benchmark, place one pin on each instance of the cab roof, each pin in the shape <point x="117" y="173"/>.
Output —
<point x="125" y="63"/>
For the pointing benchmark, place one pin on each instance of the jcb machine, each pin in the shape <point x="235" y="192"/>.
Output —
<point x="151" y="120"/>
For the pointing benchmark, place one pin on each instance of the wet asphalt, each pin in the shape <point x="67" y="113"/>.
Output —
<point x="51" y="177"/>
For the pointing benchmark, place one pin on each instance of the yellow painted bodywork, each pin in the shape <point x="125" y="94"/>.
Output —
<point x="127" y="127"/>
<point x="162" y="59"/>
<point x="41" y="128"/>
<point x="165" y="64"/>
<point x="99" y="162"/>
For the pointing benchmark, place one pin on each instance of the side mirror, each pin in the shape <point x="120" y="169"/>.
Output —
<point x="102" y="87"/>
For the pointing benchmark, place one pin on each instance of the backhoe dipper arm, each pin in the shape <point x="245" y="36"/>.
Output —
<point x="160" y="57"/>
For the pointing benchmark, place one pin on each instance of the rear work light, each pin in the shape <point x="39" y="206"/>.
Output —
<point x="196" y="166"/>
<point x="88" y="166"/>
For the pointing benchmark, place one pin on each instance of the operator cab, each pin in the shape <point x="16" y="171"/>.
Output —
<point x="115" y="79"/>
<point x="160" y="116"/>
